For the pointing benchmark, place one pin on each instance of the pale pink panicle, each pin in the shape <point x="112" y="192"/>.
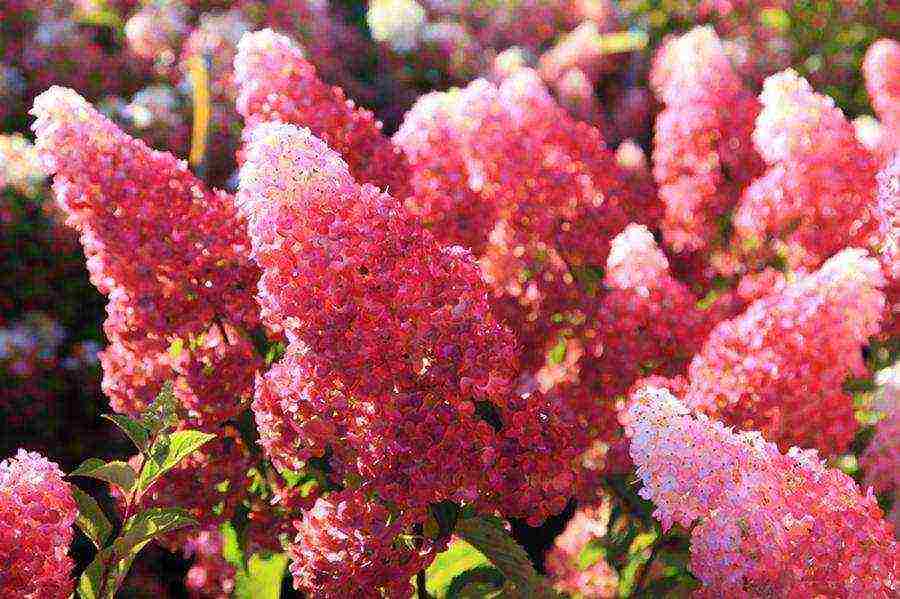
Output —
<point x="702" y="149"/>
<point x="766" y="524"/>
<point x="690" y="66"/>
<point x="779" y="367"/>
<point x="881" y="69"/>
<point x="635" y="260"/>
<point x="37" y="513"/>
<point x="887" y="211"/>
<point x="276" y="83"/>
<point x="816" y="196"/>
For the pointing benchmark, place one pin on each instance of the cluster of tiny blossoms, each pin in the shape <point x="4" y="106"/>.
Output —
<point x="779" y="366"/>
<point x="702" y="154"/>
<point x="172" y="256"/>
<point x="538" y="197"/>
<point x="565" y="566"/>
<point x="169" y="253"/>
<point x="816" y="195"/>
<point x="37" y="513"/>
<point x="276" y="83"/>
<point x="768" y="524"/>
<point x="395" y="362"/>
<point x="418" y="371"/>
<point x="881" y="460"/>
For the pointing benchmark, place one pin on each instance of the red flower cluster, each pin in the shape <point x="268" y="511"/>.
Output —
<point x="815" y="198"/>
<point x="535" y="193"/>
<point x="770" y="524"/>
<point x="650" y="322"/>
<point x="881" y="68"/>
<point x="702" y="152"/>
<point x="276" y="83"/>
<point x="37" y="512"/>
<point x="396" y="363"/>
<point x="169" y="253"/>
<point x="779" y="367"/>
<point x="347" y="546"/>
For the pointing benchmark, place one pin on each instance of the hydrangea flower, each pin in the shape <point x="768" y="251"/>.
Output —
<point x="765" y="524"/>
<point x="779" y="367"/>
<point x="171" y="255"/>
<point x="37" y="512"/>
<point x="702" y="152"/>
<point x="276" y="83"/>
<point x="816" y="195"/>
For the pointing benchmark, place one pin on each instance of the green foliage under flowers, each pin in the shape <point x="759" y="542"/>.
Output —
<point x="162" y="450"/>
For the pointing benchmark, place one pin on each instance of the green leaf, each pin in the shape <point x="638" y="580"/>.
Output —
<point x="486" y="581"/>
<point x="590" y="554"/>
<point x="146" y="526"/>
<point x="558" y="353"/>
<point x="488" y="536"/>
<point x="92" y="578"/>
<point x="167" y="452"/>
<point x="163" y="412"/>
<point x="640" y="552"/>
<point x="116" y="473"/>
<point x="91" y="519"/>
<point x="231" y="545"/>
<point x="108" y="570"/>
<point x="459" y="558"/>
<point x="262" y="578"/>
<point x="136" y="431"/>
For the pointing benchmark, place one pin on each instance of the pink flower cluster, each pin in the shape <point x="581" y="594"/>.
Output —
<point x="765" y="524"/>
<point x="881" y="460"/>
<point x="276" y="83"/>
<point x="702" y="153"/>
<point x="779" y="366"/>
<point x="815" y="197"/>
<point x="37" y="513"/>
<point x="536" y="194"/>
<point x="650" y="321"/>
<point x="347" y="546"/>
<point x="169" y="253"/>
<point x="597" y="580"/>
<point x="395" y="362"/>
<point x="881" y="65"/>
<point x="887" y="211"/>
